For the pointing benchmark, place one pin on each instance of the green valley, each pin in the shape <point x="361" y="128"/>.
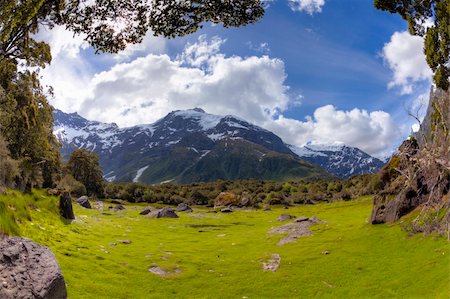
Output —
<point x="220" y="255"/>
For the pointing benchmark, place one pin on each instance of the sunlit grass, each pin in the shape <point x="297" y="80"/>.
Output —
<point x="221" y="255"/>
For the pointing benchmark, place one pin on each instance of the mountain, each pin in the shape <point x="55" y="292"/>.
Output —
<point x="341" y="160"/>
<point x="185" y="146"/>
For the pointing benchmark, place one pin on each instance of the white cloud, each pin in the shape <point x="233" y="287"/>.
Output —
<point x="372" y="132"/>
<point x="309" y="6"/>
<point x="147" y="88"/>
<point x="404" y="56"/>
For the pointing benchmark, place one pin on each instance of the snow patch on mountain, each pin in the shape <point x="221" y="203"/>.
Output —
<point x="139" y="173"/>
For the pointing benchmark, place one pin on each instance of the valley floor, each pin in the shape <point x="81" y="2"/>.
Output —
<point x="220" y="255"/>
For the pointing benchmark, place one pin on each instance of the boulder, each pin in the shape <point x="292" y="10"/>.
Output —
<point x="226" y="210"/>
<point x="166" y="213"/>
<point x="284" y="217"/>
<point x="118" y="208"/>
<point x="116" y="202"/>
<point x="146" y="211"/>
<point x="29" y="270"/>
<point x="65" y="206"/>
<point x="226" y="199"/>
<point x="182" y="207"/>
<point x="84" y="202"/>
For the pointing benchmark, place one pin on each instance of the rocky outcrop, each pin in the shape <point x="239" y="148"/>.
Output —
<point x="163" y="213"/>
<point x="65" y="206"/>
<point x="183" y="207"/>
<point x="29" y="270"/>
<point x="419" y="174"/>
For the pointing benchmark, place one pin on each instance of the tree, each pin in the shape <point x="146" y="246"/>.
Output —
<point x="437" y="37"/>
<point x="84" y="166"/>
<point x="110" y="25"/>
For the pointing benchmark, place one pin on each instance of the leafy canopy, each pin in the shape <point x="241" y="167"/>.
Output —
<point x="110" y="25"/>
<point x="419" y="13"/>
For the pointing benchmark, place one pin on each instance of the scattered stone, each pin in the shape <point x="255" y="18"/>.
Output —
<point x="65" y="206"/>
<point x="163" y="213"/>
<point x="29" y="270"/>
<point x="167" y="213"/>
<point x="146" y="211"/>
<point x="118" y="207"/>
<point x="84" y="202"/>
<point x="286" y="207"/>
<point x="326" y="252"/>
<point x="98" y="205"/>
<point x="125" y="241"/>
<point x="272" y="264"/>
<point x="226" y="210"/>
<point x="294" y="230"/>
<point x="113" y="244"/>
<point x="267" y="209"/>
<point x="182" y="207"/>
<point x="284" y="217"/>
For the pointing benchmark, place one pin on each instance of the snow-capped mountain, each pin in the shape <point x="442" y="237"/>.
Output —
<point x="338" y="159"/>
<point x="192" y="145"/>
<point x="184" y="146"/>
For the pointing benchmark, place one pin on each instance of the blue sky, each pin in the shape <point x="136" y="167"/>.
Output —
<point x="310" y="70"/>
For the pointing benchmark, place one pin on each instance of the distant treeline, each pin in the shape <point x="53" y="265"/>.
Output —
<point x="249" y="192"/>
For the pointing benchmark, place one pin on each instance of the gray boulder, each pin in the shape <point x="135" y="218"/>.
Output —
<point x="84" y="202"/>
<point x="182" y="207"/>
<point x="226" y="210"/>
<point x="146" y="211"/>
<point x="166" y="213"/>
<point x="29" y="270"/>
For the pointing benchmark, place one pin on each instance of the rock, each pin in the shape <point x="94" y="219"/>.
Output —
<point x="226" y="210"/>
<point x="166" y="213"/>
<point x="226" y="199"/>
<point x="29" y="270"/>
<point x="267" y="209"/>
<point x="159" y="271"/>
<point x="118" y="207"/>
<point x="116" y="202"/>
<point x="284" y="217"/>
<point x="125" y="241"/>
<point x="326" y="252"/>
<point x="272" y="264"/>
<point x="65" y="206"/>
<point x="84" y="202"/>
<point x="182" y="207"/>
<point x="146" y="211"/>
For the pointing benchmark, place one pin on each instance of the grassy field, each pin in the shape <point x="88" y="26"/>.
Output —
<point x="221" y="255"/>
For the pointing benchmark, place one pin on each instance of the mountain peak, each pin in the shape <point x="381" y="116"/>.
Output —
<point x="199" y="110"/>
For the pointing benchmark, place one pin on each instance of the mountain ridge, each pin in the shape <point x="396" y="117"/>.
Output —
<point x="166" y="149"/>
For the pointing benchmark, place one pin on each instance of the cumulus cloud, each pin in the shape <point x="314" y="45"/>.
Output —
<point x="373" y="132"/>
<point x="404" y="56"/>
<point x="308" y="6"/>
<point x="147" y="88"/>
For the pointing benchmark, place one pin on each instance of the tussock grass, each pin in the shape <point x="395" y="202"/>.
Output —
<point x="221" y="255"/>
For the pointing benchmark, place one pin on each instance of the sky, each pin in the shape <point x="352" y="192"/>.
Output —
<point x="323" y="71"/>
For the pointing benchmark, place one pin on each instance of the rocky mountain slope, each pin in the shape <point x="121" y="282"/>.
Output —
<point x="192" y="145"/>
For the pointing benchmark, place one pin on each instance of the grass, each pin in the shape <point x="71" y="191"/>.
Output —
<point x="221" y="255"/>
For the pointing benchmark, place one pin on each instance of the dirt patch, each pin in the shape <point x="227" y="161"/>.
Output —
<point x="295" y="230"/>
<point x="273" y="263"/>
